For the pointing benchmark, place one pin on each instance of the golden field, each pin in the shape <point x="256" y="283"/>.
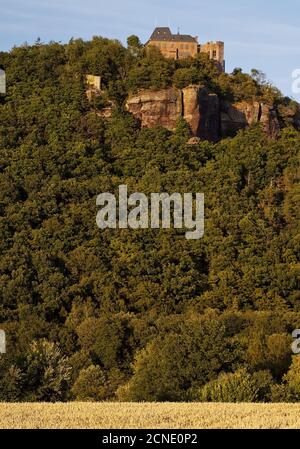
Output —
<point x="148" y="415"/>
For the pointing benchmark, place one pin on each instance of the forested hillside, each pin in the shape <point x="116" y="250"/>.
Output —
<point x="142" y="314"/>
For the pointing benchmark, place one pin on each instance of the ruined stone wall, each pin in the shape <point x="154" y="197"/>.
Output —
<point x="94" y="82"/>
<point x="2" y="82"/>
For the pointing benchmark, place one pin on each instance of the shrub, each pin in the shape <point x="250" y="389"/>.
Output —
<point x="270" y="352"/>
<point x="279" y="393"/>
<point x="230" y="387"/>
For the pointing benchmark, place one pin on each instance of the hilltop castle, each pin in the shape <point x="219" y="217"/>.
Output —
<point x="178" y="46"/>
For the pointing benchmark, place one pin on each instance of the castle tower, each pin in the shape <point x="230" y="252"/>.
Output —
<point x="215" y="50"/>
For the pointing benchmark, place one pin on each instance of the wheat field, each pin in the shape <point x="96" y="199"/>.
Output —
<point x="79" y="415"/>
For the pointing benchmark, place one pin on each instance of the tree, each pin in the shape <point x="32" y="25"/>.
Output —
<point x="258" y="76"/>
<point x="47" y="372"/>
<point x="186" y="76"/>
<point x="134" y="45"/>
<point x="270" y="352"/>
<point x="120" y="300"/>
<point x="90" y="385"/>
<point x="292" y="380"/>
<point x="107" y="339"/>
<point x="172" y="366"/>
<point x="11" y="385"/>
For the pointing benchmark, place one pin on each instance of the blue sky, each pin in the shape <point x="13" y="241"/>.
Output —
<point x="257" y="34"/>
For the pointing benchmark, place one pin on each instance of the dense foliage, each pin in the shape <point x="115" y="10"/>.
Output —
<point x="144" y="314"/>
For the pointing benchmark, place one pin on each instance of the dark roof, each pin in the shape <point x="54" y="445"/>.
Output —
<point x="164" y="34"/>
<point x="161" y="33"/>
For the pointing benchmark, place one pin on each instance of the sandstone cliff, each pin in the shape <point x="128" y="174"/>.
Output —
<point x="201" y="110"/>
<point x="238" y="116"/>
<point x="196" y="104"/>
<point x="208" y="117"/>
<point x="161" y="107"/>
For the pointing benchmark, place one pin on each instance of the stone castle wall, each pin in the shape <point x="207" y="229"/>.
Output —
<point x="176" y="50"/>
<point x="180" y="49"/>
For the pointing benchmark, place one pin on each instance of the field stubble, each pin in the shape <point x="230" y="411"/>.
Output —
<point x="148" y="415"/>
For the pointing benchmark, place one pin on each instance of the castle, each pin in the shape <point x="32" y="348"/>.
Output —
<point x="179" y="46"/>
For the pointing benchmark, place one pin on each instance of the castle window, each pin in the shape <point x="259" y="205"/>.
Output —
<point x="214" y="54"/>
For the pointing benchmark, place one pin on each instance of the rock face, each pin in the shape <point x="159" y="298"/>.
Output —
<point x="162" y="107"/>
<point x="240" y="115"/>
<point x="269" y="120"/>
<point x="196" y="104"/>
<point x="201" y="110"/>
<point x="208" y="117"/>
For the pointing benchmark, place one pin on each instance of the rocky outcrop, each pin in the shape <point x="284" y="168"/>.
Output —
<point x="196" y="104"/>
<point x="290" y="116"/>
<point x="236" y="116"/>
<point x="201" y="110"/>
<point x="269" y="120"/>
<point x="208" y="117"/>
<point x="162" y="107"/>
<point x="105" y="112"/>
<point x="194" y="141"/>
